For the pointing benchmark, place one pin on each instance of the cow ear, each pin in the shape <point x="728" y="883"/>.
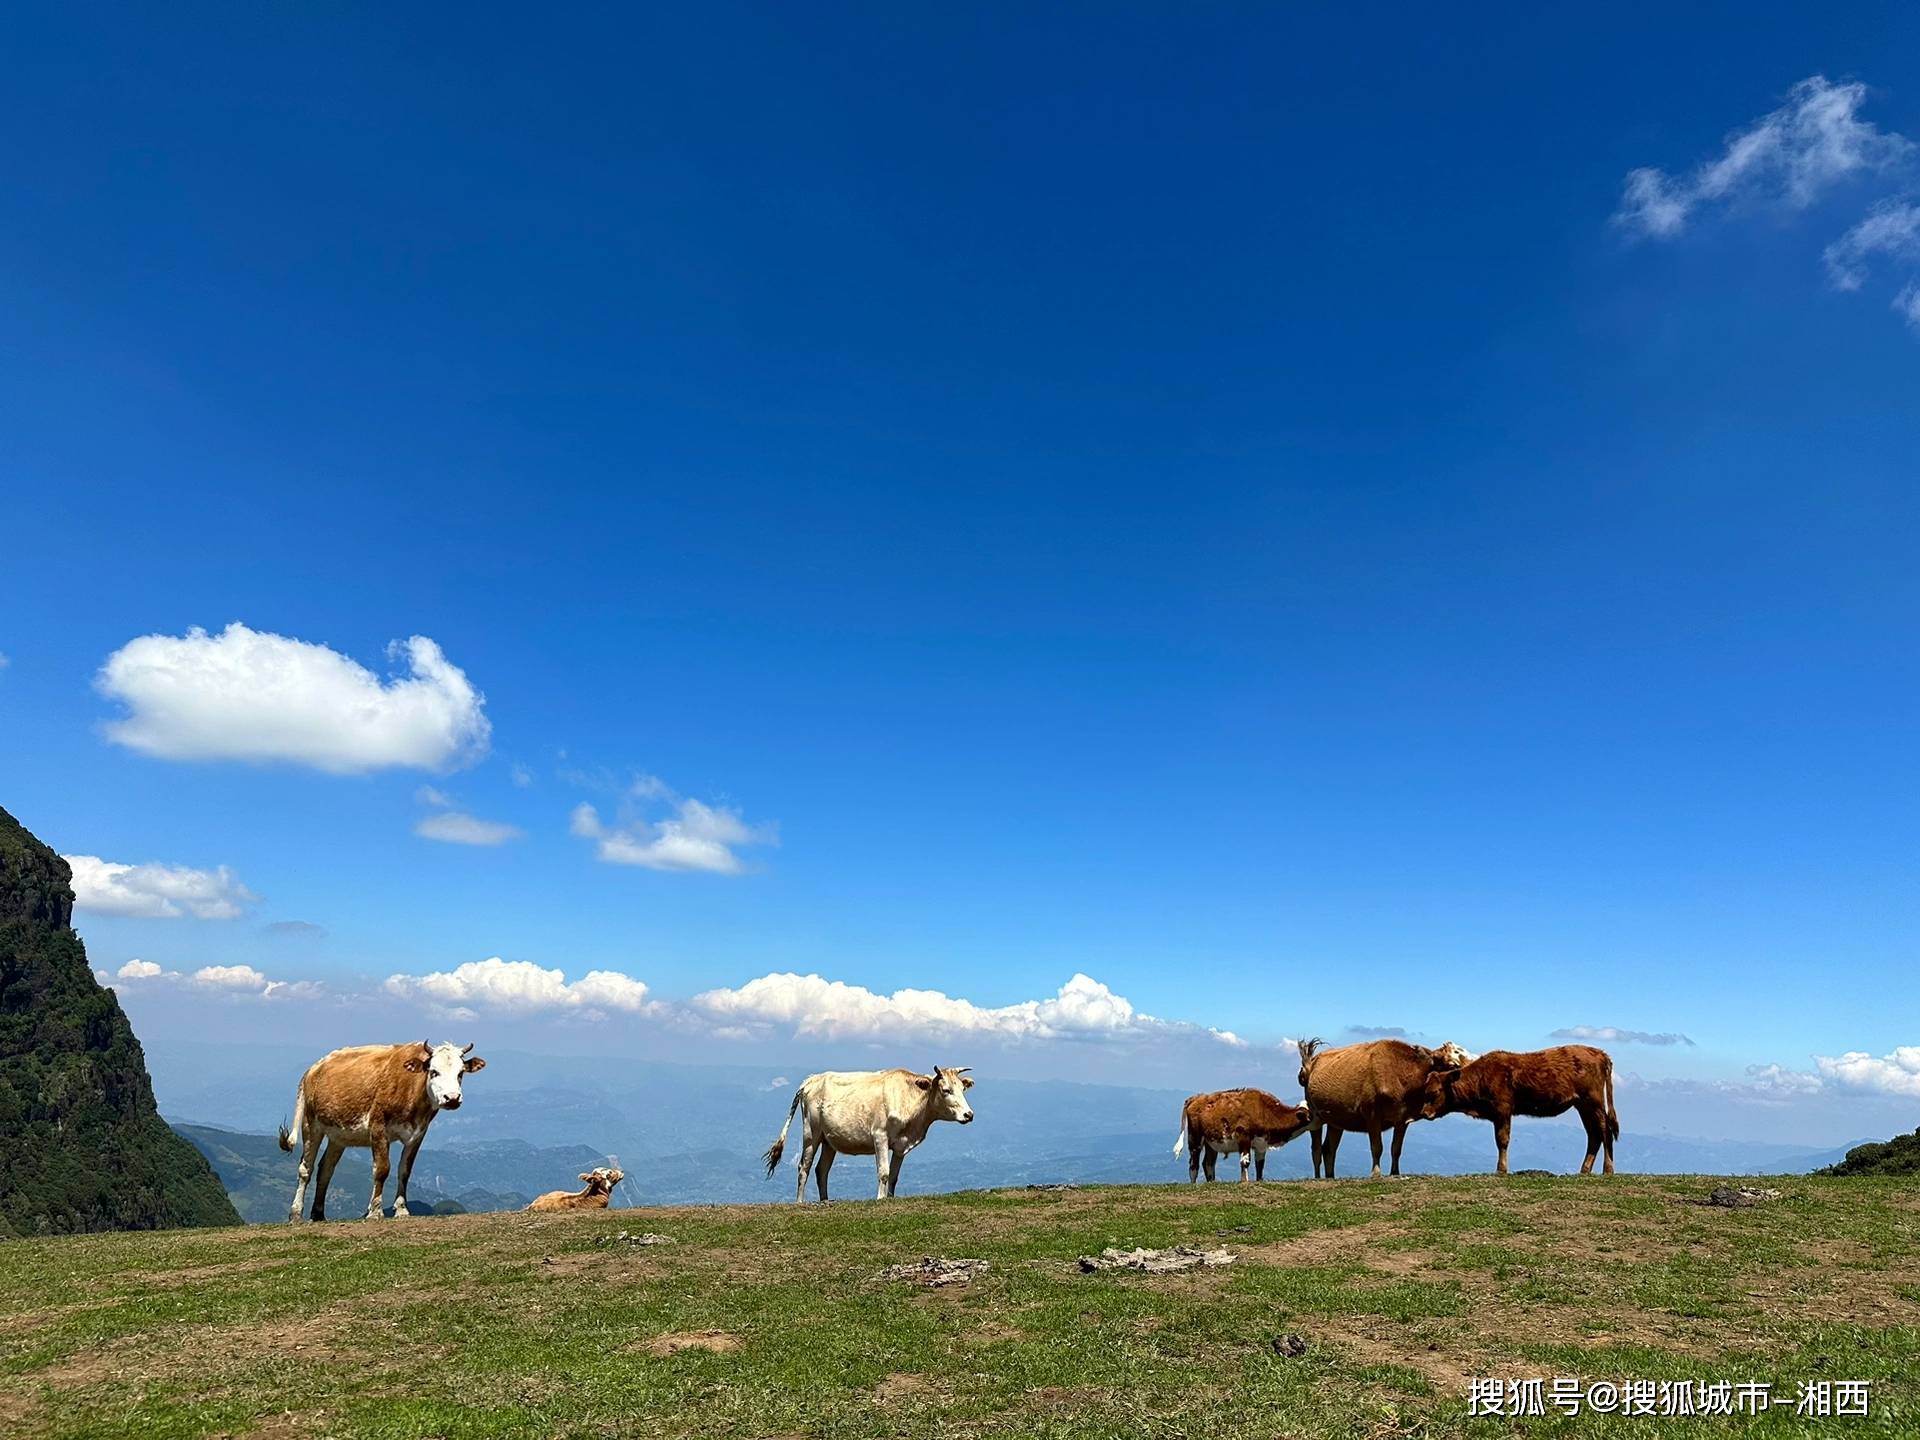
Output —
<point x="586" y="1175"/>
<point x="921" y="1082"/>
<point x="474" y="1063"/>
<point x="415" y="1067"/>
<point x="966" y="1082"/>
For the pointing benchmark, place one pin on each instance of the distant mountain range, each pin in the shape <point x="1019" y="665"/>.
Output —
<point x="509" y="1144"/>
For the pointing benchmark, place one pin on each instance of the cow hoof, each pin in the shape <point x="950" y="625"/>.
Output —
<point x="400" y="1212"/>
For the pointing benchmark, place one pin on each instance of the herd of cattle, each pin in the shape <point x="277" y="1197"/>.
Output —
<point x="377" y="1096"/>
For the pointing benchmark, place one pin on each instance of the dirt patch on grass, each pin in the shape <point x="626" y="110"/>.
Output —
<point x="199" y="1274"/>
<point x="52" y="1315"/>
<point x="336" y="1333"/>
<point x="718" y="1342"/>
<point x="16" y="1411"/>
<point x="903" y="1385"/>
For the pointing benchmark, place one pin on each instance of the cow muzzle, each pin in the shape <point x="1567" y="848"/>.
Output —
<point x="452" y="1102"/>
<point x="967" y="1119"/>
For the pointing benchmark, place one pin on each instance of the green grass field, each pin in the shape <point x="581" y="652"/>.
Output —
<point x="774" y="1322"/>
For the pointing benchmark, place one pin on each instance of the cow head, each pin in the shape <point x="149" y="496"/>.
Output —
<point x="1436" y="1096"/>
<point x="446" y="1066"/>
<point x="947" y="1089"/>
<point x="601" y="1179"/>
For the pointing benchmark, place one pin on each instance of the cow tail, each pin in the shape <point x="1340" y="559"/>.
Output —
<point x="779" y="1146"/>
<point x="1613" y="1115"/>
<point x="1180" y="1140"/>
<point x="290" y="1138"/>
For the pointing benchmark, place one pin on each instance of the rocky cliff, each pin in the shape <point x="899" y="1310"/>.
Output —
<point x="82" y="1146"/>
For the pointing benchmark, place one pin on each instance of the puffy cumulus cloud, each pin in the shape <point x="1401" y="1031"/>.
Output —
<point x="1789" y="157"/>
<point x="520" y="987"/>
<point x="1894" y="1074"/>
<point x="250" y="695"/>
<point x="694" y="837"/>
<point x="1617" y="1036"/>
<point x="815" y="1007"/>
<point x="139" y="970"/>
<point x="157" y="892"/>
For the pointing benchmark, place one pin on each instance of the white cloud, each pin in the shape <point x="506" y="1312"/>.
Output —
<point x="522" y="987"/>
<point x="249" y="695"/>
<point x="231" y="977"/>
<point x="1892" y="228"/>
<point x="139" y="970"/>
<point x="1895" y="1074"/>
<point x="522" y="776"/>
<point x="4" y="661"/>
<point x="696" y="837"/>
<point x="456" y="828"/>
<point x="157" y="892"/>
<point x="1618" y="1036"/>
<point x="1788" y="158"/>
<point x="832" y="1009"/>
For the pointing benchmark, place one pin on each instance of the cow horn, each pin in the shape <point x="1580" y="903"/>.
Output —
<point x="964" y="1070"/>
<point x="469" y="1048"/>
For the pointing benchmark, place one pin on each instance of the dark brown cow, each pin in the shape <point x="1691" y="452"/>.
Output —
<point x="1504" y="1083"/>
<point x="598" y="1191"/>
<point x="372" y="1095"/>
<point x="1248" y="1121"/>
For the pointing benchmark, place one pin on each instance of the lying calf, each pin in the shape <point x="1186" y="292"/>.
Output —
<point x="599" y="1191"/>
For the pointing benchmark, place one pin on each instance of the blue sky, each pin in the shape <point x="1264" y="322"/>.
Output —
<point x="1229" y="505"/>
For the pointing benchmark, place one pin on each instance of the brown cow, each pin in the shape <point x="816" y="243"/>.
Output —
<point x="1504" y="1083"/>
<point x="600" y="1182"/>
<point x="372" y="1095"/>
<point x="1374" y="1086"/>
<point x="1248" y="1121"/>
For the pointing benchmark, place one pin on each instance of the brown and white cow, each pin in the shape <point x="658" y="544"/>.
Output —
<point x="372" y="1095"/>
<point x="1375" y="1086"/>
<point x="599" y="1190"/>
<point x="882" y="1113"/>
<point x="1504" y="1083"/>
<point x="1247" y="1121"/>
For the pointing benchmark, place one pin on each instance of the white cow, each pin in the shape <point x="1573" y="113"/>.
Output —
<point x="882" y="1113"/>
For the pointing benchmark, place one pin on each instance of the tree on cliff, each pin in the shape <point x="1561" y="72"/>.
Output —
<point x="82" y="1146"/>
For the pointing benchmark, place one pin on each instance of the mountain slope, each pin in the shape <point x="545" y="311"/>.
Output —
<point x="1898" y="1156"/>
<point x="85" y="1148"/>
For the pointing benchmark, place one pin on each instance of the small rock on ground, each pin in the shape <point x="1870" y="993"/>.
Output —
<point x="1291" y="1346"/>
<point x="643" y="1237"/>
<point x="1156" y="1262"/>
<point x="933" y="1271"/>
<point x="1739" y="1197"/>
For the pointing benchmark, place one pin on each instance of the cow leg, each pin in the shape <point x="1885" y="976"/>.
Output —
<point x="1596" y="1136"/>
<point x="309" y="1143"/>
<point x="1213" y="1157"/>
<point x="827" y="1153"/>
<point x="1503" y="1135"/>
<point x="1332" y="1146"/>
<point x="1373" y="1138"/>
<point x="1399" y="1139"/>
<point x="1260" y="1160"/>
<point x="1318" y="1138"/>
<point x="809" y="1147"/>
<point x="411" y="1149"/>
<point x="329" y="1162"/>
<point x="375" y="1210"/>
<point x="893" y="1173"/>
<point x="1194" y="1146"/>
<point x="882" y="1164"/>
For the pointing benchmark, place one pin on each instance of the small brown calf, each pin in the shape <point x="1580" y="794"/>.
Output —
<point x="599" y="1191"/>
<point x="1248" y="1121"/>
<point x="1504" y="1083"/>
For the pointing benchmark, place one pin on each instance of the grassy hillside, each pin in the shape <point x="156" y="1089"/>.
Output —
<point x="81" y="1145"/>
<point x="1354" y="1308"/>
<point x="1898" y="1156"/>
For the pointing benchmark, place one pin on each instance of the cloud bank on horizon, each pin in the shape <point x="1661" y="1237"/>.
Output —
<point x="1787" y="161"/>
